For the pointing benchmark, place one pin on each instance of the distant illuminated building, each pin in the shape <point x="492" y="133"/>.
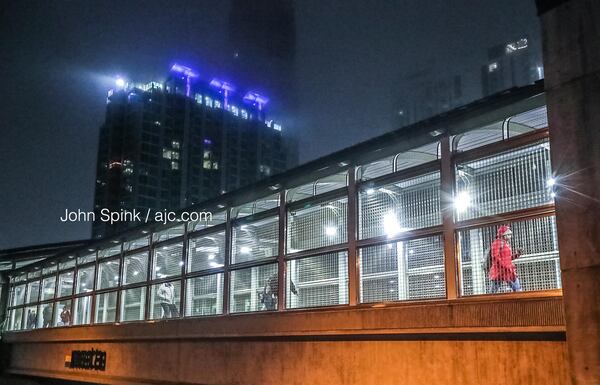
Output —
<point x="262" y="40"/>
<point x="262" y="36"/>
<point x="428" y="92"/>
<point x="167" y="145"/>
<point x="510" y="65"/>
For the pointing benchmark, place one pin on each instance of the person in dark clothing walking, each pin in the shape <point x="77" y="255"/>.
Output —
<point x="47" y="316"/>
<point x="268" y="296"/>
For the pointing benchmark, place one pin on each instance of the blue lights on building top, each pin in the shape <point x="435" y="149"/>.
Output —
<point x="216" y="94"/>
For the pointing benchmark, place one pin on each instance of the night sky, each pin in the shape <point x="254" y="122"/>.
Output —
<point x="59" y="58"/>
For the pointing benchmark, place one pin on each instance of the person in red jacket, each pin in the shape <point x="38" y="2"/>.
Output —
<point x="502" y="268"/>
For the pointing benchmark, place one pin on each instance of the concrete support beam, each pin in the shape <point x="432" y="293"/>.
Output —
<point x="571" y="41"/>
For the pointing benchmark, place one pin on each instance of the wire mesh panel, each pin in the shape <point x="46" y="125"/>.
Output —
<point x="15" y="319"/>
<point x="255" y="207"/>
<point x="68" y="264"/>
<point x="82" y="311"/>
<point x="398" y="162"/>
<point x="133" y="304"/>
<point x="62" y="313"/>
<point x="106" y="307"/>
<point x="44" y="316"/>
<point x="48" y="287"/>
<point x="525" y="258"/>
<point x="479" y="137"/>
<point x="320" y="186"/>
<point x="513" y="180"/>
<point x="85" y="258"/>
<point x="20" y="278"/>
<point x="135" y="268"/>
<point x="167" y="261"/>
<point x="34" y="274"/>
<point x="136" y="243"/>
<point x="50" y="269"/>
<point x="255" y="240"/>
<point x="33" y="292"/>
<point x="249" y="287"/>
<point x="169" y="233"/>
<point x="109" y="251"/>
<point x="18" y="295"/>
<point x="536" y="118"/>
<point x="206" y="252"/>
<point x="65" y="284"/>
<point x="400" y="206"/>
<point x="376" y="168"/>
<point x="85" y="279"/>
<point x="519" y="124"/>
<point x="165" y="300"/>
<point x="208" y="221"/>
<point x="321" y="280"/>
<point x="317" y="225"/>
<point x="404" y="270"/>
<point x="204" y="295"/>
<point x="108" y="274"/>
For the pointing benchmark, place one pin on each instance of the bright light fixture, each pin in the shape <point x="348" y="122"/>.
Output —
<point x="330" y="231"/>
<point x="244" y="250"/>
<point x="462" y="201"/>
<point x="211" y="256"/>
<point x="391" y="227"/>
<point x="120" y="82"/>
<point x="370" y="191"/>
<point x="550" y="182"/>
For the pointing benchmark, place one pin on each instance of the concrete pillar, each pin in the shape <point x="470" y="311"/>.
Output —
<point x="571" y="41"/>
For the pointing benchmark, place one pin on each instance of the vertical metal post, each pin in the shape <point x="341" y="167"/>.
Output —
<point x="183" y="286"/>
<point x="150" y="272"/>
<point x="446" y="202"/>
<point x="353" y="287"/>
<point x="227" y="259"/>
<point x="119" y="286"/>
<point x="281" y="272"/>
<point x="95" y="285"/>
<point x="56" y="294"/>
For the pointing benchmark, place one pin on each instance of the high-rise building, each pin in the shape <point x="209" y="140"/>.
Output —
<point x="262" y="37"/>
<point x="511" y="64"/>
<point x="428" y="92"/>
<point x="262" y="43"/>
<point x="168" y="145"/>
